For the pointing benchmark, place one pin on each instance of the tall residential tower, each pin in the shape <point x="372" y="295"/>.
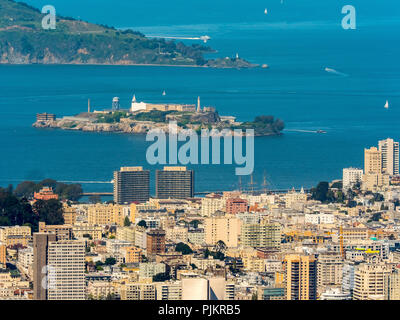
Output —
<point x="131" y="184"/>
<point x="174" y="183"/>
<point x="390" y="156"/>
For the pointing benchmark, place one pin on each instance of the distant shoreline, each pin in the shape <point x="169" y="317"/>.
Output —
<point x="119" y="65"/>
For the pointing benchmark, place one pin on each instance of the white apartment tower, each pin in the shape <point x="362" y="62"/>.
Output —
<point x="351" y="176"/>
<point x="66" y="270"/>
<point x="390" y="156"/>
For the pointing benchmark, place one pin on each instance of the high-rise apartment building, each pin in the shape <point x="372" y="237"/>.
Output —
<point x="348" y="270"/>
<point x="263" y="234"/>
<point x="174" y="183"/>
<point x="131" y="184"/>
<point x="374" y="177"/>
<point x="372" y="161"/>
<point x="300" y="277"/>
<point x="40" y="262"/>
<point x="329" y="270"/>
<point x="389" y="150"/>
<point x="58" y="268"/>
<point x="66" y="271"/>
<point x="370" y="281"/>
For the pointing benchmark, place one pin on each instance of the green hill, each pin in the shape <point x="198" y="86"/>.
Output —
<point x="24" y="41"/>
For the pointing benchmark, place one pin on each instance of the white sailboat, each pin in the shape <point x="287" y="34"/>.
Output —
<point x="164" y="93"/>
<point x="387" y="104"/>
<point x="266" y="11"/>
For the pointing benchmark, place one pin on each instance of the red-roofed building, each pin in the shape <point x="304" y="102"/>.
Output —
<point x="45" y="194"/>
<point x="237" y="205"/>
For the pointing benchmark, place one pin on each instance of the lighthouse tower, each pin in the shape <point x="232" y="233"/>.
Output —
<point x="198" y="105"/>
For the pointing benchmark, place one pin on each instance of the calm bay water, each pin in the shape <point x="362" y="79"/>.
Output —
<point x="298" y="39"/>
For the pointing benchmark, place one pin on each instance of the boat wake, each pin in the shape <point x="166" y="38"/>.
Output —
<point x="307" y="131"/>
<point x="333" y="71"/>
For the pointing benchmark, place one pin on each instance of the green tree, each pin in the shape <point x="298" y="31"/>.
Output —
<point x="161" y="277"/>
<point x="14" y="211"/>
<point x="25" y="189"/>
<point x="49" y="211"/>
<point x="127" y="222"/>
<point x="142" y="223"/>
<point x="320" y="193"/>
<point x="184" y="248"/>
<point x="110" y="261"/>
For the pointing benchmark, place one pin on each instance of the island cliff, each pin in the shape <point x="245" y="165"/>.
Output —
<point x="143" y="122"/>
<point x="24" y="41"/>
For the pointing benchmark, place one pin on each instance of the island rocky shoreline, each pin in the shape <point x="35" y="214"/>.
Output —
<point x="93" y="122"/>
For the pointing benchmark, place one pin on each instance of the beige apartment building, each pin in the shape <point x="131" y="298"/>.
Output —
<point x="351" y="234"/>
<point x="393" y="285"/>
<point x="225" y="228"/>
<point x="254" y="264"/>
<point x="69" y="214"/>
<point x="138" y="291"/>
<point x="294" y="198"/>
<point x="300" y="277"/>
<point x="329" y="270"/>
<point x="100" y="289"/>
<point x="7" y="233"/>
<point x="169" y="290"/>
<point x="132" y="254"/>
<point x="263" y="234"/>
<point x="126" y="234"/>
<point x="177" y="234"/>
<point x="212" y="204"/>
<point x="374" y="177"/>
<point x="370" y="281"/>
<point x="106" y="214"/>
<point x="62" y="232"/>
<point x="82" y="229"/>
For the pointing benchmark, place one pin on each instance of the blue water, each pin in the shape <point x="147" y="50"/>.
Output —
<point x="298" y="39"/>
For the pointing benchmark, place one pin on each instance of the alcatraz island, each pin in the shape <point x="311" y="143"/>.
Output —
<point x="143" y="117"/>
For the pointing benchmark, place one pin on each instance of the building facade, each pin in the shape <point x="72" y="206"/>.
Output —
<point x="174" y="183"/>
<point x="131" y="184"/>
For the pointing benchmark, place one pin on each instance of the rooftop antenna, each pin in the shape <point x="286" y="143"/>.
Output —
<point x="240" y="184"/>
